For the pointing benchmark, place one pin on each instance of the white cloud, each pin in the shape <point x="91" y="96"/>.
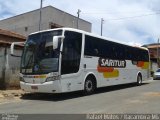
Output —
<point x="140" y="30"/>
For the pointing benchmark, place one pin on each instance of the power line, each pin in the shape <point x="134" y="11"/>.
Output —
<point x="106" y="12"/>
<point x="132" y="17"/>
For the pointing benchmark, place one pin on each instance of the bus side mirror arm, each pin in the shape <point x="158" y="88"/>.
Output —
<point x="12" y="48"/>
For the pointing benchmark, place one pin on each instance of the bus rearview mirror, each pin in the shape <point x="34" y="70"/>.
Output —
<point x="12" y="47"/>
<point x="57" y="40"/>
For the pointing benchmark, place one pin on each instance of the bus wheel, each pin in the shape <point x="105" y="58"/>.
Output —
<point x="89" y="86"/>
<point x="139" y="80"/>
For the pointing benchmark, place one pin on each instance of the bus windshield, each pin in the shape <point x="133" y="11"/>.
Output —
<point x="38" y="55"/>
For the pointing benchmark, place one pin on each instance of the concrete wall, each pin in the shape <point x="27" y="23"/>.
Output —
<point x="9" y="69"/>
<point x="29" y="22"/>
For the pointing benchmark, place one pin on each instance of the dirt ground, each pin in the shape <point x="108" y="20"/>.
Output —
<point x="6" y="95"/>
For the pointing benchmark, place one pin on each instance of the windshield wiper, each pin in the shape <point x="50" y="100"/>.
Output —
<point x="32" y="44"/>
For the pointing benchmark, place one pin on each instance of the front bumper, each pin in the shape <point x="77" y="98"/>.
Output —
<point x="47" y="87"/>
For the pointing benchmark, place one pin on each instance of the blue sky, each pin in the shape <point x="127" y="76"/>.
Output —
<point x="134" y="22"/>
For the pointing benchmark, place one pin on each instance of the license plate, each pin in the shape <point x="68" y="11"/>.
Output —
<point x="34" y="87"/>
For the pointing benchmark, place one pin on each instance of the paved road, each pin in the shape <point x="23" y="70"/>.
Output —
<point x="116" y="99"/>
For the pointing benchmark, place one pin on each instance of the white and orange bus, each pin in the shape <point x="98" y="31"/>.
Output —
<point x="66" y="60"/>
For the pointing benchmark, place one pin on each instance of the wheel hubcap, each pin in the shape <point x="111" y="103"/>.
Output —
<point x="89" y="85"/>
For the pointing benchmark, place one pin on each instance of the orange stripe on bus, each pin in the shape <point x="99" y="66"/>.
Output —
<point x="140" y="64"/>
<point x="105" y="69"/>
<point x="40" y="76"/>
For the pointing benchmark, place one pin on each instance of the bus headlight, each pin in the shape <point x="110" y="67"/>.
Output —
<point x="52" y="78"/>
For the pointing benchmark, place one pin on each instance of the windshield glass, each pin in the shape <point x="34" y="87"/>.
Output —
<point x="38" y="55"/>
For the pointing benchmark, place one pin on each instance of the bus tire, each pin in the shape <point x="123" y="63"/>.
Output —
<point x="89" y="85"/>
<point x="139" y="80"/>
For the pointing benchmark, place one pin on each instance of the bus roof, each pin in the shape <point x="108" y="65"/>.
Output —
<point x="91" y="34"/>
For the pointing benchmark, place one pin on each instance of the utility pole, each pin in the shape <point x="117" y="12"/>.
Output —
<point x="40" y="15"/>
<point x="102" y="21"/>
<point x="158" y="53"/>
<point x="78" y="13"/>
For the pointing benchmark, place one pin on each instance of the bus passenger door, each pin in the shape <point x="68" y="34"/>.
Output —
<point x="70" y="64"/>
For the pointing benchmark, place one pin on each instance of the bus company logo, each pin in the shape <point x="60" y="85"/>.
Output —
<point x="107" y="67"/>
<point x="112" y="63"/>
